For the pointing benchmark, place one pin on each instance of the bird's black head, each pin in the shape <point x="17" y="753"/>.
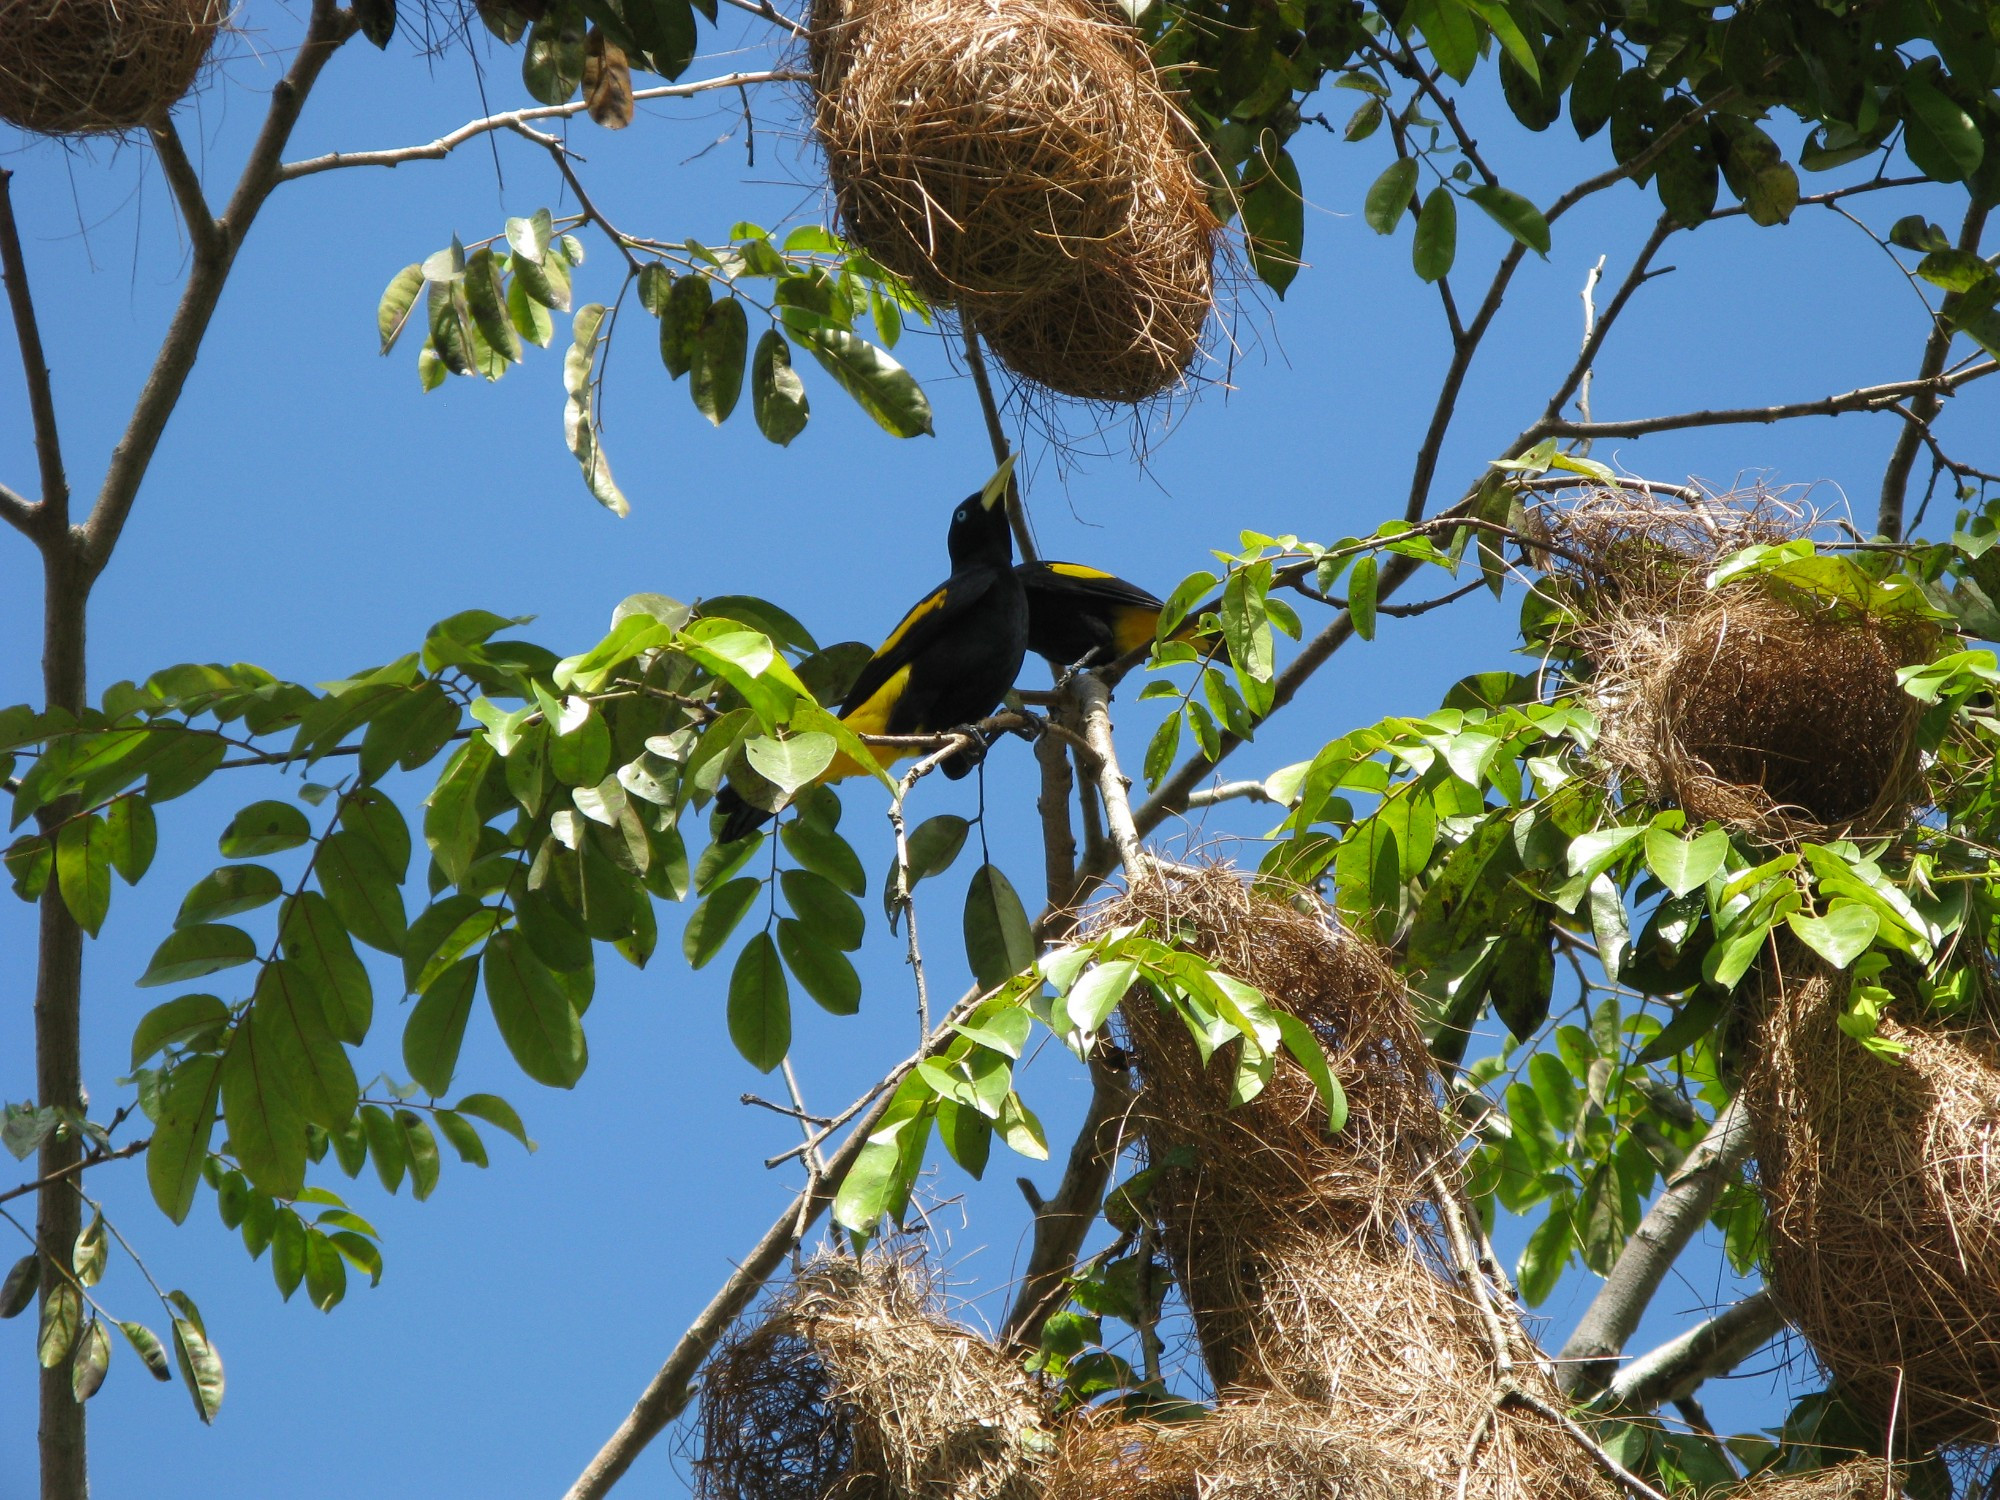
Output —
<point x="979" y="531"/>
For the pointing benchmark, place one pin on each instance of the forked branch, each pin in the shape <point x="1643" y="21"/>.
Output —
<point x="52" y="514"/>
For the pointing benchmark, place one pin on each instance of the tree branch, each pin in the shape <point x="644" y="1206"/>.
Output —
<point x="1715" y="1347"/>
<point x="1925" y="407"/>
<point x="444" y="145"/>
<point x="1588" y="1361"/>
<point x="130" y="1148"/>
<point x="1229" y="791"/>
<point x="1637" y="276"/>
<point x="51" y="516"/>
<point x="203" y="232"/>
<point x="1866" y="398"/>
<point x="1094" y="700"/>
<point x="329" y="27"/>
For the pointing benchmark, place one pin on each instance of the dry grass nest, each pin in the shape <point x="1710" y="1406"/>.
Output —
<point x="84" y="67"/>
<point x="1882" y="1186"/>
<point x="1021" y="162"/>
<point x="1772" y="711"/>
<point x="1314" y="1265"/>
<point x="854" y="1385"/>
<point x="1862" y="1479"/>
<point x="1265" y="1448"/>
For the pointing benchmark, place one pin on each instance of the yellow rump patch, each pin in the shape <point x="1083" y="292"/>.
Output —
<point x="872" y="717"/>
<point x="1133" y="628"/>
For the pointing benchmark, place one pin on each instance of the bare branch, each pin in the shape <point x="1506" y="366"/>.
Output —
<point x="51" y="516"/>
<point x="1058" y="838"/>
<point x="1405" y="62"/>
<point x="1588" y="1360"/>
<point x="1867" y="398"/>
<point x="1715" y="1347"/>
<point x="770" y="13"/>
<point x="328" y="29"/>
<point x="592" y="214"/>
<point x="96" y="1159"/>
<point x="1094" y="699"/>
<point x="1636" y="276"/>
<point x="17" y="511"/>
<point x="444" y="145"/>
<point x="203" y="232"/>
<point x="1924" y="408"/>
<point x="1230" y="791"/>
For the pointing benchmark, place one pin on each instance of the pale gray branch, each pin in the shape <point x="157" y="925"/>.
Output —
<point x="444" y="145"/>
<point x="1094" y="698"/>
<point x="1715" y="1347"/>
<point x="1589" y="1360"/>
<point x="53" y="512"/>
<point x="185" y="183"/>
<point x="1230" y="791"/>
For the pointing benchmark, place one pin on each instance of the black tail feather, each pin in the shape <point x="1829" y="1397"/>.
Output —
<point x="740" y="818"/>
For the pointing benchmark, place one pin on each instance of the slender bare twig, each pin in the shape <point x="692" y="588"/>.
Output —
<point x="51" y="516"/>
<point x="1713" y="1347"/>
<point x="1588" y="1361"/>
<point x="1404" y="61"/>
<point x="1923" y="408"/>
<point x="1599" y="328"/>
<point x="1832" y="196"/>
<point x="444" y="145"/>
<point x="185" y="184"/>
<point x="770" y="13"/>
<point x="97" y="1159"/>
<point x="1231" y="791"/>
<point x="560" y="153"/>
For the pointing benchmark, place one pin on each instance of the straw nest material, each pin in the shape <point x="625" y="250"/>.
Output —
<point x="1882" y="1186"/>
<point x="1266" y="1448"/>
<point x="1021" y="161"/>
<point x="1769" y="709"/>
<point x="82" y="67"/>
<point x="1862" y="1479"/>
<point x="1315" y="1267"/>
<point x="855" y="1386"/>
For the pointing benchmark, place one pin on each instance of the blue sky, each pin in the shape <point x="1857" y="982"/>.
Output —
<point x="313" y="512"/>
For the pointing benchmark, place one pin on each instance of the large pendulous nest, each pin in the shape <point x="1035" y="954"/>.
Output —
<point x="82" y="67"/>
<point x="1768" y="708"/>
<point x="1881" y="1181"/>
<point x="1264" y="1448"/>
<point x="1315" y="1266"/>
<point x="853" y="1385"/>
<point x="1860" y="1479"/>
<point x="1021" y="161"/>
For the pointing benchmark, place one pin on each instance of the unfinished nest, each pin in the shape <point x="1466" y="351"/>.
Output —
<point x="855" y="1386"/>
<point x="1862" y="1479"/>
<point x="86" y="67"/>
<point x="1882" y="1187"/>
<point x="1315" y="1267"/>
<point x="1769" y="709"/>
<point x="1266" y="1448"/>
<point x="1021" y="161"/>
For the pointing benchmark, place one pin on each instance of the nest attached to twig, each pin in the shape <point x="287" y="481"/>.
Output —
<point x="1265" y="1448"/>
<point x="89" y="67"/>
<point x="1022" y="162"/>
<point x="1860" y="1479"/>
<point x="855" y="1386"/>
<point x="1882" y="1187"/>
<point x="1771" y="710"/>
<point x="1316" y="1266"/>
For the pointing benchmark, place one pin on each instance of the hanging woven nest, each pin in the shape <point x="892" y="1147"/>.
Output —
<point x="1862" y="1479"/>
<point x="1021" y="162"/>
<point x="853" y="1385"/>
<point x="92" y="67"/>
<point x="1316" y="1267"/>
<point x="1881" y="1181"/>
<point x="1266" y="1448"/>
<point x="1772" y="710"/>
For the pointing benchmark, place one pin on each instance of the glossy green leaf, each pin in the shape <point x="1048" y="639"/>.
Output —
<point x="999" y="943"/>
<point x="1845" y="933"/>
<point x="580" y="427"/>
<point x="1273" y="208"/>
<point x="200" y="1367"/>
<point x="1436" y="244"/>
<point x="392" y="314"/>
<point x="291" y="1022"/>
<point x="760" y="1005"/>
<point x="228" y="891"/>
<point x="264" y="828"/>
<point x="62" y="1319"/>
<point x="829" y="913"/>
<point x="134" y="835"/>
<point x="363" y="890"/>
<point x="878" y="384"/>
<point x="1389" y="195"/>
<point x="422" y="1149"/>
<point x="435" y="1030"/>
<point x="83" y="870"/>
<point x="553" y="61"/>
<point x="687" y="305"/>
<point x="1685" y="865"/>
<point x="313" y="938"/>
<point x="711" y="923"/>
<point x="777" y="395"/>
<point x="495" y="1111"/>
<point x="92" y="1360"/>
<point x="17" y="1291"/>
<point x="146" y="1344"/>
<point x="1513" y="213"/>
<point x="821" y="969"/>
<point x="260" y="1105"/>
<point x="717" y="369"/>
<point x="534" y="1012"/>
<point x="181" y="1134"/>
<point x="192" y="952"/>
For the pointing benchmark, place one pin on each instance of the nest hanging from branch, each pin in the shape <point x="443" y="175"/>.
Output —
<point x="1881" y="1182"/>
<point x="1020" y="161"/>
<point x="87" y="67"/>
<point x="854" y="1386"/>
<point x="1769" y="709"/>
<point x="1316" y="1267"/>
<point x="1265" y="1448"/>
<point x="1862" y="1479"/>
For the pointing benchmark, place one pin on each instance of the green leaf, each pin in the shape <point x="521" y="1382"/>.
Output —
<point x="1448" y="29"/>
<point x="1513" y="213"/>
<point x="422" y="1149"/>
<point x="530" y="318"/>
<point x="1389" y="196"/>
<point x="133" y="834"/>
<point x="464" y="1139"/>
<point x="822" y="970"/>
<point x="534" y="1013"/>
<point x="291" y="1021"/>
<point x="18" y="1290"/>
<point x="260" y="1105"/>
<point x="1685" y="865"/>
<point x="1092" y="998"/>
<point x="552" y="64"/>
<point x="998" y="940"/>
<point x="1436" y="244"/>
<point x="828" y="912"/>
<point x="792" y="762"/>
<point x="529" y="238"/>
<point x="719" y="349"/>
<point x="1361" y="585"/>
<point x="392" y="314"/>
<point x="495" y="1111"/>
<point x="580" y="428"/>
<point x="760" y="1005"/>
<point x="1299" y="1040"/>
<point x="1021" y="1131"/>
<point x="93" y="1358"/>
<point x="314" y="939"/>
<point x="227" y="892"/>
<point x="83" y="870"/>
<point x="88" y="1257"/>
<point x="62" y="1317"/>
<point x="362" y="890"/>
<point x="1941" y="138"/>
<point x="825" y="852"/>
<point x="181" y="1133"/>
<point x="387" y="1146"/>
<point x="264" y="828"/>
<point x="1274" y="216"/>
<point x="200" y="1366"/>
<point x="777" y="395"/>
<point x="687" y="305"/>
<point x="436" y="1028"/>
<point x="488" y="301"/>
<point x="1842" y="935"/>
<point x="192" y="952"/>
<point x="880" y="386"/>
<point x="711" y="923"/>
<point x="146" y="1344"/>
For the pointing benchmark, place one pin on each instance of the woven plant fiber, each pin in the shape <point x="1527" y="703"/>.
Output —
<point x="86" y="67"/>
<point x="1881" y="1181"/>
<point x="854" y="1385"/>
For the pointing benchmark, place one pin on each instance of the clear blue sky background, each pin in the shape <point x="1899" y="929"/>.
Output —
<point x="313" y="512"/>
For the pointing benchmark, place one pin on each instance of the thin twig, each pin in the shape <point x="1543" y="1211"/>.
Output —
<point x="560" y="153"/>
<point x="1231" y="791"/>
<point x="1867" y="398"/>
<point x="185" y="183"/>
<point x="51" y="516"/>
<point x="98" y="1159"/>
<point x="444" y="145"/>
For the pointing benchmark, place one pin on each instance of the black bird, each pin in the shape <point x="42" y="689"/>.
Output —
<point x="948" y="663"/>
<point x="1085" y="616"/>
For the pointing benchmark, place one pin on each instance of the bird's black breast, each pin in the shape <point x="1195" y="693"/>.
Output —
<point x="962" y="673"/>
